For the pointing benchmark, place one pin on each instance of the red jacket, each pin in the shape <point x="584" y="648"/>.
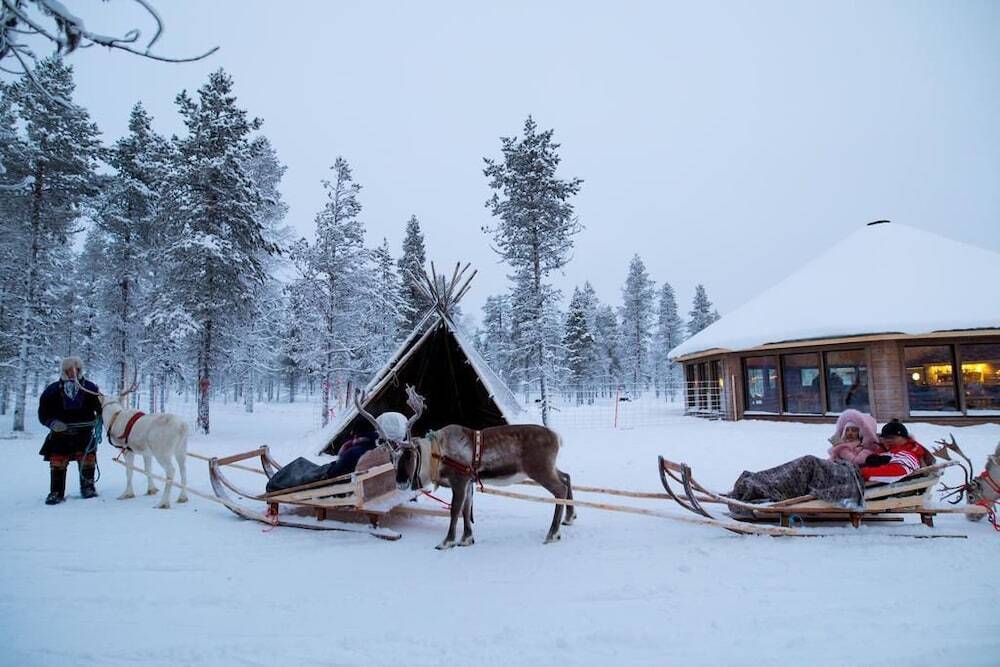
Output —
<point x="904" y="459"/>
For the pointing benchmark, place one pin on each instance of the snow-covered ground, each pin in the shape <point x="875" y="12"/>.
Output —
<point x="108" y="582"/>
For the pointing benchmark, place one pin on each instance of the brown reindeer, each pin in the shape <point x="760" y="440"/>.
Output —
<point x="458" y="457"/>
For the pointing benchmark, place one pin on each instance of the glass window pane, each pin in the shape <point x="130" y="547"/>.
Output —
<point x="760" y="376"/>
<point x="715" y="392"/>
<point x="847" y="381"/>
<point x="689" y="385"/>
<point x="981" y="377"/>
<point x="930" y="379"/>
<point x="703" y="394"/>
<point x="800" y="379"/>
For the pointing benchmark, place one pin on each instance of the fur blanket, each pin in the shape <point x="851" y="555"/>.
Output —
<point x="832" y="481"/>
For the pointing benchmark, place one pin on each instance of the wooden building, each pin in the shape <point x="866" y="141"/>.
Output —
<point x="893" y="321"/>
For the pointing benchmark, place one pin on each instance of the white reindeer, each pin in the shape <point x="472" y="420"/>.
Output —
<point x="162" y="436"/>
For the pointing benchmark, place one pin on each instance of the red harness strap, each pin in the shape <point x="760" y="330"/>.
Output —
<point x="126" y="433"/>
<point x="128" y="426"/>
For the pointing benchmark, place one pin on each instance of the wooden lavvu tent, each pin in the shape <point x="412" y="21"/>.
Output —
<point x="440" y="361"/>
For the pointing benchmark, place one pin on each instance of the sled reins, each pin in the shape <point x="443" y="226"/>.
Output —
<point x="91" y="448"/>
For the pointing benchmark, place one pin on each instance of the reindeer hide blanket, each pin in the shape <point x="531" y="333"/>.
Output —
<point x="832" y="481"/>
<point x="303" y="471"/>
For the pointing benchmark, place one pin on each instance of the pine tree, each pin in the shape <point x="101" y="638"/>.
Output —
<point x="637" y="323"/>
<point x="581" y="348"/>
<point x="14" y="211"/>
<point x="256" y="336"/>
<point x="494" y="336"/>
<point x="332" y="284"/>
<point x="126" y="217"/>
<point x="669" y="334"/>
<point x="410" y="265"/>
<point x="386" y="311"/>
<point x="213" y="257"/>
<point x="701" y="311"/>
<point x="608" y="336"/>
<point x="60" y="152"/>
<point x="534" y="234"/>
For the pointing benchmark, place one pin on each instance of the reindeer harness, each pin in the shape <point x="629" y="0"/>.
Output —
<point x="438" y="459"/>
<point x="128" y="429"/>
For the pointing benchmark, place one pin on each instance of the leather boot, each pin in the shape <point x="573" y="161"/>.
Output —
<point x="57" y="486"/>
<point x="87" y="488"/>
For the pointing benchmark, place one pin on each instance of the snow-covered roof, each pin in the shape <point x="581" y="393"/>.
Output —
<point x="883" y="278"/>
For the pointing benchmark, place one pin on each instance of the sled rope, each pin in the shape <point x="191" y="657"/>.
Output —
<point x="433" y="497"/>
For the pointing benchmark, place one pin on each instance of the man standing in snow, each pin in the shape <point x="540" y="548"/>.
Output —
<point x="70" y="411"/>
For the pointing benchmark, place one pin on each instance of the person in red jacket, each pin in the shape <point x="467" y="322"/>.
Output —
<point x="901" y="457"/>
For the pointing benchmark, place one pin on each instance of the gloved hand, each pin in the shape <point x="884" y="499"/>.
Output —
<point x="57" y="426"/>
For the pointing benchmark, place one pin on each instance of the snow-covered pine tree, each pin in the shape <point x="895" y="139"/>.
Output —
<point x="701" y="313"/>
<point x="331" y="284"/>
<point x="61" y="151"/>
<point x="125" y="214"/>
<point x="494" y="336"/>
<point x="85" y="293"/>
<point x="256" y="334"/>
<point x="213" y="257"/>
<point x="534" y="235"/>
<point x="387" y="309"/>
<point x="637" y="324"/>
<point x="411" y="264"/>
<point x="14" y="201"/>
<point x="669" y="334"/>
<point x="580" y="349"/>
<point x="608" y="336"/>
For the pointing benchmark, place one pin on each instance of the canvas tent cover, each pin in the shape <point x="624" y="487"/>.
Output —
<point x="441" y="363"/>
<point x="884" y="278"/>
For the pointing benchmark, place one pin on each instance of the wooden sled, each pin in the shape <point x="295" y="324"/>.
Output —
<point x="342" y="503"/>
<point x="883" y="502"/>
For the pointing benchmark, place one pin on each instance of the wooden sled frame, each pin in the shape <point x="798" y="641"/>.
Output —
<point x="334" y="504"/>
<point x="883" y="502"/>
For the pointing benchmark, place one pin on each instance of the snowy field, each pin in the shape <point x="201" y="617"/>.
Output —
<point x="108" y="582"/>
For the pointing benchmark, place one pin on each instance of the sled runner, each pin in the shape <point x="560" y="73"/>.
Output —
<point x="332" y="504"/>
<point x="883" y="502"/>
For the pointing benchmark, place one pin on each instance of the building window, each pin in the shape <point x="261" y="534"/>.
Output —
<point x="689" y="393"/>
<point x="930" y="379"/>
<point x="981" y="377"/>
<point x="715" y="390"/>
<point x="847" y="381"/>
<point x="800" y="380"/>
<point x="761" y="381"/>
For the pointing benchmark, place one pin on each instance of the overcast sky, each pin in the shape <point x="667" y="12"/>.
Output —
<point x="726" y="143"/>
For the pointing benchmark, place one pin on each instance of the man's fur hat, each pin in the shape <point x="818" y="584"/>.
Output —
<point x="68" y="363"/>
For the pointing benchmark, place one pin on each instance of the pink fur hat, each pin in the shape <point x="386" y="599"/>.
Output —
<point x="865" y="423"/>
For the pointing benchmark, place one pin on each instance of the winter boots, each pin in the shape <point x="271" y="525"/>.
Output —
<point x="57" y="486"/>
<point x="87" y="488"/>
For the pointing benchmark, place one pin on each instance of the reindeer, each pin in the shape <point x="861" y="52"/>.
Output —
<point x="983" y="489"/>
<point x="459" y="457"/>
<point x="162" y="435"/>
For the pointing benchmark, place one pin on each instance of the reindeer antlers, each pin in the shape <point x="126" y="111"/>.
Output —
<point x="135" y="382"/>
<point x="417" y="404"/>
<point x="967" y="468"/>
<point x="413" y="399"/>
<point x="360" y="396"/>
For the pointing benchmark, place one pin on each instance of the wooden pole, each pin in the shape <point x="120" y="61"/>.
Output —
<point x="739" y="528"/>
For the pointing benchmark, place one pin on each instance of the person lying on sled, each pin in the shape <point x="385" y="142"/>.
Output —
<point x="901" y="456"/>
<point x="357" y="453"/>
<point x="854" y="438"/>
